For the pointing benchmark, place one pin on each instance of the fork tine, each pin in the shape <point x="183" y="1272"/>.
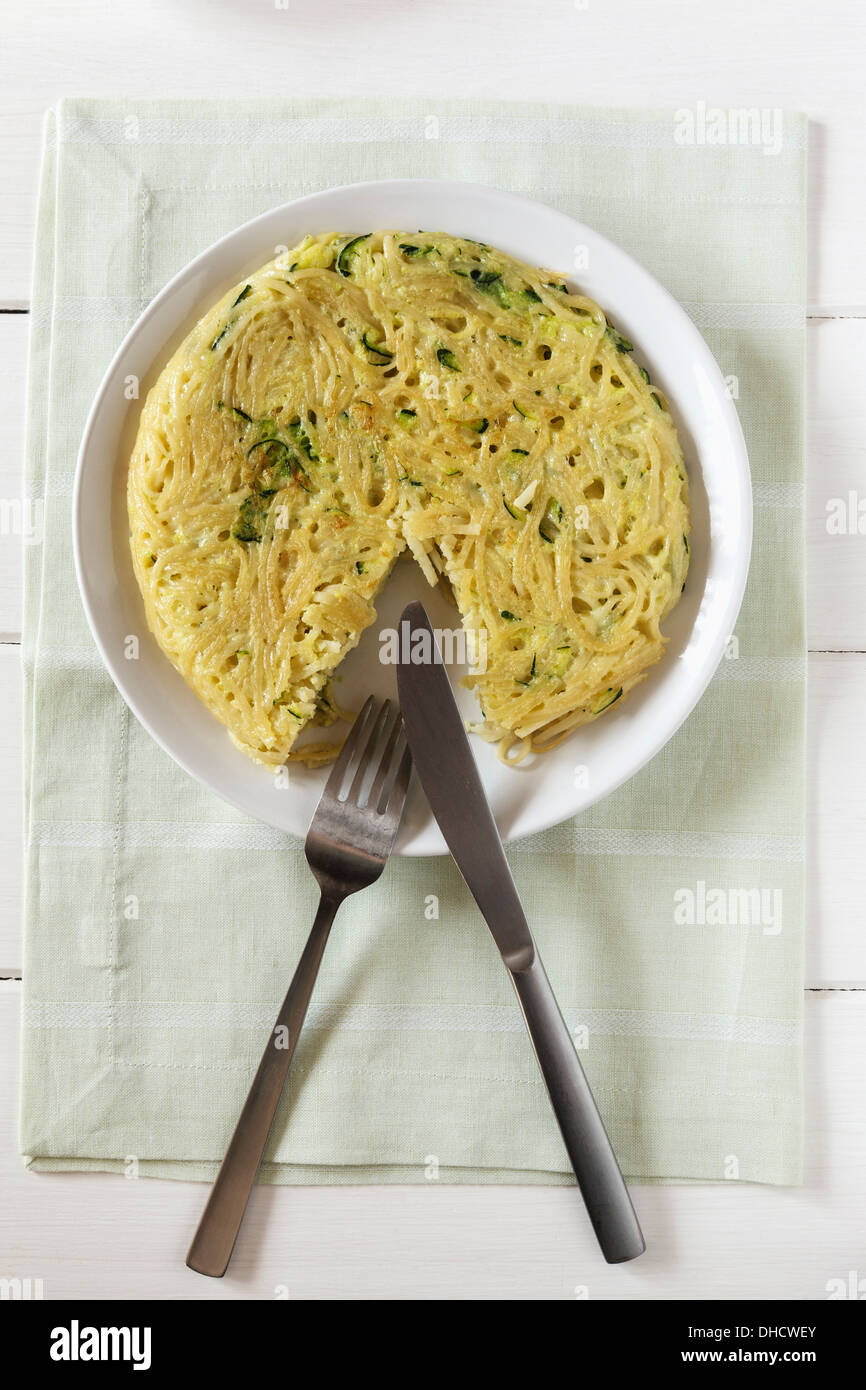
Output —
<point x="347" y="752"/>
<point x="370" y="744"/>
<point x="349" y="843"/>
<point x="386" y="762"/>
<point x="396" y="796"/>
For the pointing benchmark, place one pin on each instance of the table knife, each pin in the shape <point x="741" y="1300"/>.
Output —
<point x="447" y="771"/>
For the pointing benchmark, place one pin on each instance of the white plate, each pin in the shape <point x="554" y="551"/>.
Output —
<point x="595" y="759"/>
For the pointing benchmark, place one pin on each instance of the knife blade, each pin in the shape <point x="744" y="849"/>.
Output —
<point x="447" y="772"/>
<point x="450" y="779"/>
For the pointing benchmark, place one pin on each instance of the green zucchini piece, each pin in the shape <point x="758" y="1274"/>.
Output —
<point x="219" y="337"/>
<point x="490" y="282"/>
<point x="236" y="411"/>
<point x="531" y="676"/>
<point x="621" y="343"/>
<point x="348" y="253"/>
<point x="551" y="521"/>
<point x="609" y="698"/>
<point x="284" y="700"/>
<point x="251" y="518"/>
<point x="377" y="349"/>
<point x="302" y="439"/>
<point x="273" y="439"/>
<point x="277" y="468"/>
<point x="562" y="663"/>
<point x="447" y="358"/>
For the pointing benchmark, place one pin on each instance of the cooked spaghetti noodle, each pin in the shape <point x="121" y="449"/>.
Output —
<point x="363" y="394"/>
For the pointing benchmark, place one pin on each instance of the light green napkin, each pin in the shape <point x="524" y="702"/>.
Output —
<point x="162" y="926"/>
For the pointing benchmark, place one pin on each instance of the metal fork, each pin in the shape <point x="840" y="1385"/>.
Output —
<point x="347" y="846"/>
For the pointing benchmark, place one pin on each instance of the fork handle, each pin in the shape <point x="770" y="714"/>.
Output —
<point x="589" y="1149"/>
<point x="221" y="1219"/>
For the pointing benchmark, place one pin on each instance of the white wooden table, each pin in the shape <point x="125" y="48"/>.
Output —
<point x="100" y="1236"/>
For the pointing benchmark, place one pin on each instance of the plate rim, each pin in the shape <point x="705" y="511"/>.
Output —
<point x="739" y="566"/>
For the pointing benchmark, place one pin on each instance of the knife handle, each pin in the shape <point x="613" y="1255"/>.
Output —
<point x="598" y="1176"/>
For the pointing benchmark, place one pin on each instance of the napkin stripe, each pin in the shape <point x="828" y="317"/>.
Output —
<point x="597" y="132"/>
<point x="248" y="835"/>
<point x="757" y="669"/>
<point x="782" y="495"/>
<point x="470" y="1018"/>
